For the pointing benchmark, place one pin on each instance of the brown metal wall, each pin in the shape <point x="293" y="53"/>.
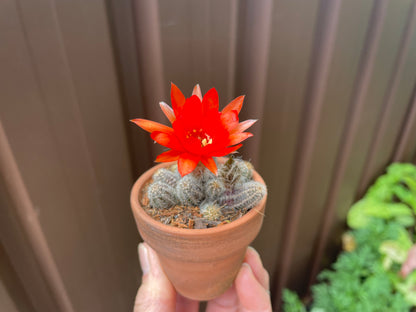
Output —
<point x="65" y="221"/>
<point x="332" y="82"/>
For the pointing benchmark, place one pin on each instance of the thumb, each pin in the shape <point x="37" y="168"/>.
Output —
<point x="156" y="292"/>
<point x="251" y="294"/>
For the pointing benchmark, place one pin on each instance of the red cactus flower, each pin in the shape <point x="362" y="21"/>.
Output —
<point x="199" y="130"/>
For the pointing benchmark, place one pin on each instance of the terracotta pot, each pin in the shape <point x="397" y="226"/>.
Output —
<point x="200" y="263"/>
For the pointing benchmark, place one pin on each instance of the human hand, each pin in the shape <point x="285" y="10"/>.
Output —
<point x="249" y="292"/>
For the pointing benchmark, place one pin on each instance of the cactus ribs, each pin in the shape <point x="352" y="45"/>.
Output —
<point x="202" y="199"/>
<point x="186" y="217"/>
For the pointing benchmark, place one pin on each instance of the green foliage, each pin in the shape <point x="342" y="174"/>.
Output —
<point x="367" y="209"/>
<point x="408" y="287"/>
<point x="358" y="282"/>
<point x="291" y="302"/>
<point x="345" y="292"/>
<point x="366" y="279"/>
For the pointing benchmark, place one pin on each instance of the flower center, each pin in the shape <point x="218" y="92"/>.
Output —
<point x="203" y="137"/>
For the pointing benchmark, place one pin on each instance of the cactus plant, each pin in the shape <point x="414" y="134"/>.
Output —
<point x="211" y="211"/>
<point x="161" y="195"/>
<point x="200" y="132"/>
<point x="167" y="176"/>
<point x="189" y="190"/>
<point x="214" y="188"/>
<point x="246" y="196"/>
<point x="235" y="172"/>
<point x="231" y="189"/>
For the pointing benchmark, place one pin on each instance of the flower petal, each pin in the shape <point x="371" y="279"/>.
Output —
<point x="210" y="164"/>
<point x="151" y="126"/>
<point x="167" y="156"/>
<point x="197" y="91"/>
<point x="177" y="98"/>
<point x="239" y="137"/>
<point x="229" y="120"/>
<point x="187" y="163"/>
<point x="242" y="126"/>
<point x="166" y="139"/>
<point x="168" y="111"/>
<point x="226" y="151"/>
<point x="235" y="104"/>
<point x="210" y="101"/>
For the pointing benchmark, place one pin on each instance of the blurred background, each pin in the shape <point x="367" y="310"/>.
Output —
<point x="332" y="83"/>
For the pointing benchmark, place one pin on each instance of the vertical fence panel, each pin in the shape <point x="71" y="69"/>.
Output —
<point x="406" y="142"/>
<point x="62" y="117"/>
<point x="316" y="87"/>
<point x="122" y="21"/>
<point x="286" y="86"/>
<point x="394" y="22"/>
<point x="252" y="67"/>
<point x="27" y="216"/>
<point x="395" y="98"/>
<point x="13" y="295"/>
<point x="355" y="105"/>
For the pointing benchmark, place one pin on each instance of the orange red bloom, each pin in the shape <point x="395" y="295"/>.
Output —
<point x="199" y="130"/>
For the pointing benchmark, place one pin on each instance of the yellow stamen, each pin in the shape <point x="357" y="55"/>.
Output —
<point x="203" y="137"/>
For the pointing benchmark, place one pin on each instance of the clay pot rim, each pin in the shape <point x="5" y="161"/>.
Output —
<point x="136" y="206"/>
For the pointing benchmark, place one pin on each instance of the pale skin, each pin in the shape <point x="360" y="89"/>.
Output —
<point x="249" y="292"/>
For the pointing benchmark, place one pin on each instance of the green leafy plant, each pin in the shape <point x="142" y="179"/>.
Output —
<point x="366" y="276"/>
<point x="292" y="302"/>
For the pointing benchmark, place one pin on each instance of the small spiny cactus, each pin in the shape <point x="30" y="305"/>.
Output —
<point x="233" y="188"/>
<point x="167" y="176"/>
<point x="207" y="176"/>
<point x="246" y="196"/>
<point x="235" y="172"/>
<point x="161" y="195"/>
<point x="190" y="191"/>
<point x="214" y="188"/>
<point x="211" y="211"/>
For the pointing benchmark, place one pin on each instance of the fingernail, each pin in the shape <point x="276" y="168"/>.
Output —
<point x="255" y="251"/>
<point x="144" y="258"/>
<point x="245" y="264"/>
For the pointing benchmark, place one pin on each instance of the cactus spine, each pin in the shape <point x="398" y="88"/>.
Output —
<point x="161" y="195"/>
<point x="166" y="176"/>
<point x="190" y="191"/>
<point x="235" y="172"/>
<point x="214" y="188"/>
<point x="210" y="211"/>
<point x="233" y="188"/>
<point x="245" y="197"/>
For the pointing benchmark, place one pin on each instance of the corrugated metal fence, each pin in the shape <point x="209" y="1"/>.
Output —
<point x="332" y="82"/>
